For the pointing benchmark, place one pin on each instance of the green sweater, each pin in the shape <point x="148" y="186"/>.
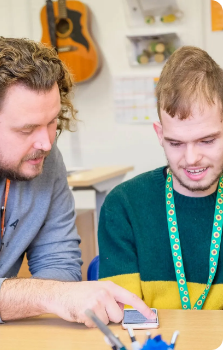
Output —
<point x="135" y="248"/>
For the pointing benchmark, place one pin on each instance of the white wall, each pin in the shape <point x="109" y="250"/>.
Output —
<point x="100" y="140"/>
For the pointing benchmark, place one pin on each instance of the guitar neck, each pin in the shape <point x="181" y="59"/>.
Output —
<point x="62" y="9"/>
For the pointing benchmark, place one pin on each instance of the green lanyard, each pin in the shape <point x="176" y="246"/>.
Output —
<point x="176" y="250"/>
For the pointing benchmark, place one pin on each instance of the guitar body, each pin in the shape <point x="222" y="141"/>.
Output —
<point x="75" y="46"/>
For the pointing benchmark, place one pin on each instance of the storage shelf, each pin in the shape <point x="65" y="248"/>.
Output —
<point x="153" y="29"/>
<point x="139" y="45"/>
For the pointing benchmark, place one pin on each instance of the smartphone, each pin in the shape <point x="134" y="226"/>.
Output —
<point x="136" y="320"/>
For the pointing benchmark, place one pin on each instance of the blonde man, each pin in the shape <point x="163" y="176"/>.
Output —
<point x="160" y="233"/>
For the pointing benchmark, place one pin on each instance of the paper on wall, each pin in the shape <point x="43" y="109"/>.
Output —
<point x="135" y="100"/>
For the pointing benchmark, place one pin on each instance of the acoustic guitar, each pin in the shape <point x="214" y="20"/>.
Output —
<point x="73" y="42"/>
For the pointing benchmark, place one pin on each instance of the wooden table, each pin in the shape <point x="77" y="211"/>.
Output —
<point x="199" y="330"/>
<point x="101" y="179"/>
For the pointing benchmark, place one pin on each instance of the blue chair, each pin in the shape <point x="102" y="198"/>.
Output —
<point x="93" y="269"/>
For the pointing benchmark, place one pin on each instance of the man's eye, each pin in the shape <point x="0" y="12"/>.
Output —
<point x="53" y="121"/>
<point x="26" y="132"/>
<point x="208" y="141"/>
<point x="175" y="144"/>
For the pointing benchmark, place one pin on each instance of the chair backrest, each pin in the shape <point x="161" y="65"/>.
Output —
<point x="93" y="269"/>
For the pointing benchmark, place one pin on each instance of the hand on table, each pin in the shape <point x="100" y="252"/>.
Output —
<point x="106" y="299"/>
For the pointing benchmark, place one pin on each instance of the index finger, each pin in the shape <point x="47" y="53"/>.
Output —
<point x="124" y="296"/>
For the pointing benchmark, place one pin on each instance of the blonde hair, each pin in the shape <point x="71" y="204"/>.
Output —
<point x="37" y="67"/>
<point x="190" y="75"/>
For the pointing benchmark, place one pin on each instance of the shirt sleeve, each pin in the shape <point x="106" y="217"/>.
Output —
<point x="55" y="252"/>
<point x="1" y="281"/>
<point x="117" y="249"/>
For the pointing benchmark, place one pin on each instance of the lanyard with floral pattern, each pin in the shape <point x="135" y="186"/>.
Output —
<point x="176" y="249"/>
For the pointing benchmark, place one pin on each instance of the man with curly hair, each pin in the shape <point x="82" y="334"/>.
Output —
<point x="37" y="215"/>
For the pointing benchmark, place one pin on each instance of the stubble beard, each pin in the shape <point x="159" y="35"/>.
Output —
<point x="198" y="187"/>
<point x="14" y="174"/>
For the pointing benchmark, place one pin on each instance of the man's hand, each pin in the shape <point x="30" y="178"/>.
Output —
<point x="20" y="298"/>
<point x="106" y="299"/>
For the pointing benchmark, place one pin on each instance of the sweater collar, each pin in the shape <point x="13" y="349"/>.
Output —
<point x="180" y="199"/>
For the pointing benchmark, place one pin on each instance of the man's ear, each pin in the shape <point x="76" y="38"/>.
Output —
<point x="159" y="131"/>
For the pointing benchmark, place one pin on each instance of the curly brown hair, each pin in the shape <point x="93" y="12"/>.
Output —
<point x="190" y="75"/>
<point x="32" y="64"/>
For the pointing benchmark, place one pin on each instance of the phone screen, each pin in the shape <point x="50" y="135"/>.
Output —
<point x="134" y="317"/>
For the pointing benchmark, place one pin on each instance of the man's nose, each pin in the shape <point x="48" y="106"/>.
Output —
<point x="192" y="155"/>
<point x="43" y="140"/>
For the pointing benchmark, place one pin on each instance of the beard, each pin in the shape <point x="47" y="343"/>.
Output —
<point x="15" y="174"/>
<point x="197" y="187"/>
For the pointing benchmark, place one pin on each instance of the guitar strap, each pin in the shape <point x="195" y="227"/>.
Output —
<point x="51" y="22"/>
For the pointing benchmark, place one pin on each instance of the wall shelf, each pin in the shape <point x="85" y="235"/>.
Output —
<point x="151" y="50"/>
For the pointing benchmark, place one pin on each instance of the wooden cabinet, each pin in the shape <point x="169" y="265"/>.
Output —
<point x="86" y="227"/>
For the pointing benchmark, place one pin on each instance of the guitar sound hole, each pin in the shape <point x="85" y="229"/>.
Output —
<point x="62" y="26"/>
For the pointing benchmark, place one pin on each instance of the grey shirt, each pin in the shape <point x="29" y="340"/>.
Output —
<point x="40" y="220"/>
